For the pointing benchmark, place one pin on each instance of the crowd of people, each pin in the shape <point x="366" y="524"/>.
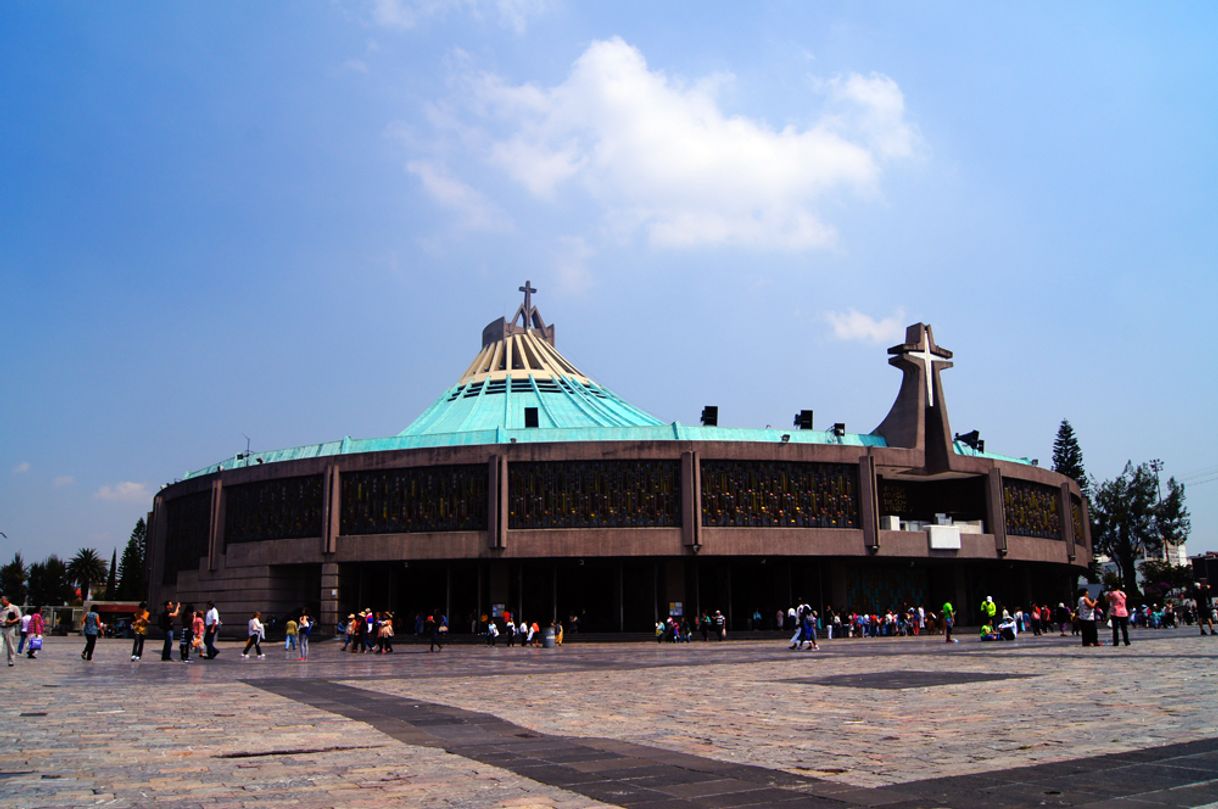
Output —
<point x="373" y="632"/>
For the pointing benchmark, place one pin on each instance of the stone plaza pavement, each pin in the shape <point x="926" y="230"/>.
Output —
<point x="899" y="723"/>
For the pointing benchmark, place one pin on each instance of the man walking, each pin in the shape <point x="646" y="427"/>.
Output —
<point x="10" y="622"/>
<point x="949" y="620"/>
<point x="211" y="625"/>
<point x="1205" y="613"/>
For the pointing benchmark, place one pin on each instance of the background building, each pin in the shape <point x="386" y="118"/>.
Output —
<point x="529" y="485"/>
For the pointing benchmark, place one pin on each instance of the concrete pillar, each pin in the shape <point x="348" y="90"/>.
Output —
<point x="691" y="500"/>
<point x="869" y="508"/>
<point x="995" y="511"/>
<point x="215" y="528"/>
<point x="1067" y="521"/>
<point x="331" y="510"/>
<point x="329" y="596"/>
<point x="497" y="502"/>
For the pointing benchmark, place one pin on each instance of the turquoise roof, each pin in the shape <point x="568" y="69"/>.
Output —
<point x="500" y="435"/>
<point x="561" y="402"/>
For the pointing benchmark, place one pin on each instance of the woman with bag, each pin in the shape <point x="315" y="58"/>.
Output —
<point x="34" y="632"/>
<point x="255" y="630"/>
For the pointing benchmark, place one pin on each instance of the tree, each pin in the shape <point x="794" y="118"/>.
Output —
<point x="49" y="582"/>
<point x="86" y="569"/>
<point x="1068" y="457"/>
<point x="132" y="582"/>
<point x="12" y="579"/>
<point x="1131" y="521"/>
<point x="1159" y="577"/>
<point x="111" y="579"/>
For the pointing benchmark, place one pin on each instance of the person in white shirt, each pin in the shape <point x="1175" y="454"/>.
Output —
<point x="25" y="631"/>
<point x="10" y="622"/>
<point x="256" y="634"/>
<point x="211" y="625"/>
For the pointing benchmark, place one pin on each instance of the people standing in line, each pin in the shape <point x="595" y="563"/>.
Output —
<point x="1118" y="612"/>
<point x="36" y="627"/>
<point x="255" y="632"/>
<point x="211" y="627"/>
<point x="949" y="621"/>
<point x="91" y="628"/>
<point x="165" y="621"/>
<point x="289" y="638"/>
<point x="1086" y="618"/>
<point x="10" y="622"/>
<point x="139" y="630"/>
<point x="303" y="630"/>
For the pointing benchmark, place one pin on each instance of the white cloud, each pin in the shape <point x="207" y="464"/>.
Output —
<point x="474" y="209"/>
<point x="854" y="326"/>
<point x="874" y="107"/>
<point x="63" y="480"/>
<point x="355" y="66"/>
<point x="662" y="158"/>
<point x="124" y="492"/>
<point x="22" y="468"/>
<point x="514" y="15"/>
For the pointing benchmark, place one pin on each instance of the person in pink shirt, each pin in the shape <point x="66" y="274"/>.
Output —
<point x="1119" y="613"/>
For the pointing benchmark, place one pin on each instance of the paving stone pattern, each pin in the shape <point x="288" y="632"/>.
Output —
<point x="1041" y="722"/>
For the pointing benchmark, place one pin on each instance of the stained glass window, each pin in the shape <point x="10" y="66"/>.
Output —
<point x="414" y="500"/>
<point x="779" y="494"/>
<point x="285" y="508"/>
<point x="594" y="494"/>
<point x="1032" y="509"/>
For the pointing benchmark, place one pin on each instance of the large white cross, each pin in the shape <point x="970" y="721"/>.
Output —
<point x="923" y="353"/>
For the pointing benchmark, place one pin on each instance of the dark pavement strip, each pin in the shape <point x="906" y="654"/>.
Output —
<point x="629" y="774"/>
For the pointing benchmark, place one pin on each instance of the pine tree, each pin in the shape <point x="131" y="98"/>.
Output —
<point x="1068" y="457"/>
<point x="131" y="578"/>
<point x="112" y="578"/>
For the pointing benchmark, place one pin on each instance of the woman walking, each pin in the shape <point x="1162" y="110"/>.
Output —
<point x="256" y="631"/>
<point x="92" y="628"/>
<point x="302" y="634"/>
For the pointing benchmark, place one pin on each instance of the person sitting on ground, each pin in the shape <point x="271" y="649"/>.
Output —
<point x="987" y="632"/>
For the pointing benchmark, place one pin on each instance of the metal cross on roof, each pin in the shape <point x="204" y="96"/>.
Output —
<point x="928" y="354"/>
<point x="527" y="313"/>
<point x="528" y="291"/>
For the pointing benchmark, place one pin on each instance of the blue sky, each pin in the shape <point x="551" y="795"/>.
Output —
<point x="291" y="221"/>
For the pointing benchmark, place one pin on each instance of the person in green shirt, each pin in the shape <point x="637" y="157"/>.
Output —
<point x="949" y="620"/>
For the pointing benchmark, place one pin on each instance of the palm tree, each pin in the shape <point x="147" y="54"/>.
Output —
<point x="87" y="569"/>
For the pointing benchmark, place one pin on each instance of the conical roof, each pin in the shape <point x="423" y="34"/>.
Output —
<point x="517" y="368"/>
